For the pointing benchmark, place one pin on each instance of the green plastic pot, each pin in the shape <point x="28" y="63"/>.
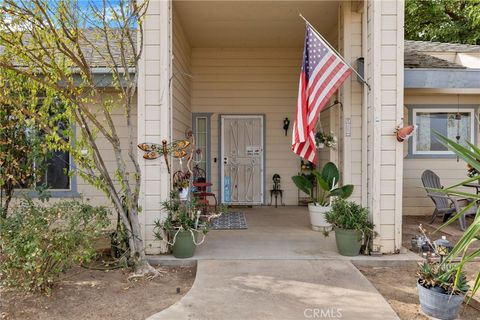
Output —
<point x="184" y="247"/>
<point x="348" y="242"/>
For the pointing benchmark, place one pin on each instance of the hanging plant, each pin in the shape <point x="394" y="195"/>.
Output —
<point x="323" y="139"/>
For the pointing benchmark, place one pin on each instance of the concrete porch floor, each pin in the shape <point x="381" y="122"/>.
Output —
<point x="273" y="233"/>
<point x="278" y="268"/>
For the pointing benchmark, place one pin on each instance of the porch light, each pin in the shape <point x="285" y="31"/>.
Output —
<point x="286" y="124"/>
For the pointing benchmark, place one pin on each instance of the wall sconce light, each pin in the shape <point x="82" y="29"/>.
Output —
<point x="286" y="124"/>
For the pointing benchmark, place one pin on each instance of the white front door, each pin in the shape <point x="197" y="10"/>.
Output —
<point x="242" y="159"/>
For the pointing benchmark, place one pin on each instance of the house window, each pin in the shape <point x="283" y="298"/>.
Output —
<point x="56" y="175"/>
<point x="446" y="122"/>
<point x="201" y="139"/>
<point x="201" y="128"/>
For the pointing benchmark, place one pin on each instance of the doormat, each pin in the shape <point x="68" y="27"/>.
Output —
<point x="229" y="221"/>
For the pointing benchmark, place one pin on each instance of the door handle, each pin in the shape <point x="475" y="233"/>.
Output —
<point x="225" y="160"/>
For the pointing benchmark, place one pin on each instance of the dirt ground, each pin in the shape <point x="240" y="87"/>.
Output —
<point x="89" y="294"/>
<point x="410" y="229"/>
<point x="398" y="287"/>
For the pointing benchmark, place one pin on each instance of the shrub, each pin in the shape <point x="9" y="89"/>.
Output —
<point x="348" y="215"/>
<point x="352" y="216"/>
<point x="39" y="242"/>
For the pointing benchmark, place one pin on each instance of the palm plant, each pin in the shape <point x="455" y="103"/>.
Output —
<point x="326" y="182"/>
<point x="462" y="248"/>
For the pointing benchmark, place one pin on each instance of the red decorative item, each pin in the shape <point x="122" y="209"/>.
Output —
<point x="405" y="132"/>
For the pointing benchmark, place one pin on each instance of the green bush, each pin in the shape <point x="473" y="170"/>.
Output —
<point x="39" y="242"/>
<point x="352" y="216"/>
<point x="349" y="215"/>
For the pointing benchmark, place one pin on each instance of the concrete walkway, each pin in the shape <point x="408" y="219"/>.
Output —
<point x="279" y="289"/>
<point x="278" y="269"/>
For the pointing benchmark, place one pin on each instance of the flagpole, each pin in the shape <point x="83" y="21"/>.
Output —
<point x="334" y="50"/>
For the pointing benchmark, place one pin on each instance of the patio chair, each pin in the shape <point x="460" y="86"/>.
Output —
<point x="445" y="205"/>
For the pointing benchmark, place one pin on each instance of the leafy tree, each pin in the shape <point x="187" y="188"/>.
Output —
<point x="17" y="139"/>
<point x="61" y="46"/>
<point x="455" y="21"/>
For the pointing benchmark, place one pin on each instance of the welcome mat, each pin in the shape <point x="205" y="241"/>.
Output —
<point x="229" y="221"/>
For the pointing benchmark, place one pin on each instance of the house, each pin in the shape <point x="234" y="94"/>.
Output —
<point x="441" y="81"/>
<point x="229" y="70"/>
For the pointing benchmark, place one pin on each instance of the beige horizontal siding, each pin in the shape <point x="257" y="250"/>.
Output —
<point x="251" y="81"/>
<point x="181" y="105"/>
<point x="450" y="171"/>
<point x="87" y="191"/>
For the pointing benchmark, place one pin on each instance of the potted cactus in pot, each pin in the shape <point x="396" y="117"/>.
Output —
<point x="440" y="290"/>
<point x="326" y="182"/>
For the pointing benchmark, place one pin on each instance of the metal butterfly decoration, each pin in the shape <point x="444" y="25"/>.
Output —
<point x="155" y="150"/>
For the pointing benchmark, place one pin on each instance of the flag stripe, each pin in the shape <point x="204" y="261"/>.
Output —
<point x="323" y="71"/>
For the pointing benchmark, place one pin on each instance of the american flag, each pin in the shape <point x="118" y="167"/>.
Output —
<point x="323" y="71"/>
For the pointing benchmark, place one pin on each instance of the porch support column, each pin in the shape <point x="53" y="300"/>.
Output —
<point x="154" y="116"/>
<point x="350" y="155"/>
<point x="384" y="71"/>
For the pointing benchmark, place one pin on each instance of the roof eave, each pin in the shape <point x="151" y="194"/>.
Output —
<point x="422" y="78"/>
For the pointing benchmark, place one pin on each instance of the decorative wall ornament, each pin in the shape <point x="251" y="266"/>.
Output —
<point x="404" y="133"/>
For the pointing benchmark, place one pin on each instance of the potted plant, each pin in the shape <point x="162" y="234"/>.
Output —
<point x="323" y="139"/>
<point x="351" y="225"/>
<point x="441" y="291"/>
<point x="321" y="196"/>
<point x="182" y="187"/>
<point x="182" y="226"/>
<point x="448" y="275"/>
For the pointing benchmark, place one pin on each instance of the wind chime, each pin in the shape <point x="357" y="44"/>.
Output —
<point x="458" y="118"/>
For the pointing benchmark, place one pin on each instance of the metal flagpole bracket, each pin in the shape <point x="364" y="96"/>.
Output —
<point x="335" y="51"/>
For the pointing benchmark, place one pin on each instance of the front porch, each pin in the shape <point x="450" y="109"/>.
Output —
<point x="272" y="233"/>
<point x="281" y="233"/>
<point x="234" y="59"/>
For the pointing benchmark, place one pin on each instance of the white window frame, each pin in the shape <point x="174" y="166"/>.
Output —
<point x="207" y="149"/>
<point x="415" y="110"/>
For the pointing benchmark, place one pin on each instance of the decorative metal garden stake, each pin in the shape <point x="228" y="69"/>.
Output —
<point x="154" y="150"/>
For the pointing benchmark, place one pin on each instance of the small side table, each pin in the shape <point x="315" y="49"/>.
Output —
<point x="473" y="185"/>
<point x="276" y="193"/>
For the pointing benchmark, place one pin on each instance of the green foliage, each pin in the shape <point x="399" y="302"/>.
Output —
<point x="326" y="185"/>
<point x="182" y="215"/>
<point x="349" y="215"/>
<point x="57" y="46"/>
<point x="437" y="275"/>
<point x="39" y="242"/>
<point x="19" y="136"/>
<point x="352" y="216"/>
<point x="463" y="247"/>
<point x="455" y="21"/>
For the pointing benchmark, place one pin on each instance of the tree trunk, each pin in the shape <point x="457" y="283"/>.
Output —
<point x="137" y="258"/>
<point x="8" y="197"/>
